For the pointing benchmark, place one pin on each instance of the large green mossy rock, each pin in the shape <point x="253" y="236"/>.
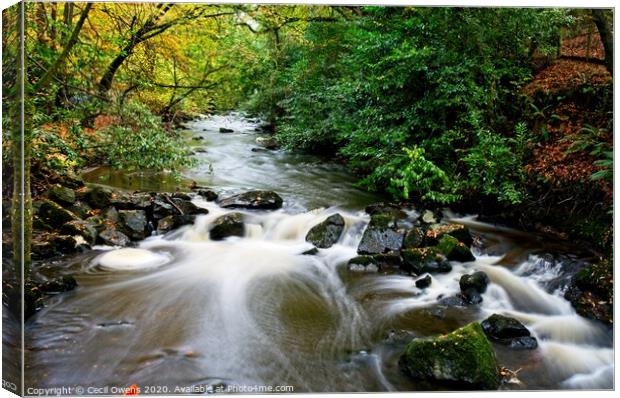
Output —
<point x="458" y="231"/>
<point x="463" y="359"/>
<point x="454" y="250"/>
<point x="62" y="195"/>
<point x="54" y="215"/>
<point x="326" y="233"/>
<point x="424" y="259"/>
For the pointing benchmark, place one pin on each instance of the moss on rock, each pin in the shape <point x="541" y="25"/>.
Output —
<point x="454" y="250"/>
<point x="463" y="358"/>
<point x="591" y="291"/>
<point x="53" y="214"/>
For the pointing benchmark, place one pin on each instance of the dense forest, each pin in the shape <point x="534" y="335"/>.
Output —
<point x="506" y="113"/>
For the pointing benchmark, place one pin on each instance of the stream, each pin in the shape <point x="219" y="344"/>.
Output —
<point x="253" y="311"/>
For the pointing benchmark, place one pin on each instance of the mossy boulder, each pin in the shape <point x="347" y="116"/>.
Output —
<point x="62" y="195"/>
<point x="80" y="208"/>
<point x="591" y="291"/>
<point x="424" y="259"/>
<point x="53" y="214"/>
<point x="375" y="262"/>
<point x="414" y="238"/>
<point x="80" y="228"/>
<point x="326" y="233"/>
<point x="99" y="197"/>
<point x="464" y="359"/>
<point x="472" y="286"/>
<point x="227" y="225"/>
<point x="454" y="250"/>
<point x="435" y="232"/>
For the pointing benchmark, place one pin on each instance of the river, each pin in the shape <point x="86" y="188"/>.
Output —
<point x="253" y="311"/>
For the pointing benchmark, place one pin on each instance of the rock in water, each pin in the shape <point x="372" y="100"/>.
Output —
<point x="376" y="262"/>
<point x="81" y="228"/>
<point x="472" y="286"/>
<point x="209" y="195"/>
<point x="454" y="250"/>
<point x="460" y="232"/>
<point x="463" y="358"/>
<point x="425" y="259"/>
<point x="188" y="208"/>
<point x="112" y="237"/>
<point x="133" y="223"/>
<point x="169" y="223"/>
<point x="381" y="236"/>
<point x="424" y="282"/>
<point x="413" y="239"/>
<point x="509" y="331"/>
<point x="227" y="225"/>
<point x="267" y="142"/>
<point x="259" y="200"/>
<point x="326" y="233"/>
<point x="224" y="130"/>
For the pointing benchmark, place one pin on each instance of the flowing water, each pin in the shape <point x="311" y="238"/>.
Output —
<point x="181" y="310"/>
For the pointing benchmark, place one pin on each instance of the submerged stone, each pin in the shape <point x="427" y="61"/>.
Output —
<point x="326" y="233"/>
<point x="464" y="359"/>
<point x="375" y="262"/>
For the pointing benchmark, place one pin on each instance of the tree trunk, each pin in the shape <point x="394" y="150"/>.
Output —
<point x="604" y="29"/>
<point x="67" y="18"/>
<point x="21" y="203"/>
<point x="46" y="78"/>
<point x="105" y="84"/>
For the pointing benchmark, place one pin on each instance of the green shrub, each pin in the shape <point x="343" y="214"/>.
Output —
<point x="139" y="142"/>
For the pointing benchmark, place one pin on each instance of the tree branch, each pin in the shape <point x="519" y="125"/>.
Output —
<point x="46" y="78"/>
